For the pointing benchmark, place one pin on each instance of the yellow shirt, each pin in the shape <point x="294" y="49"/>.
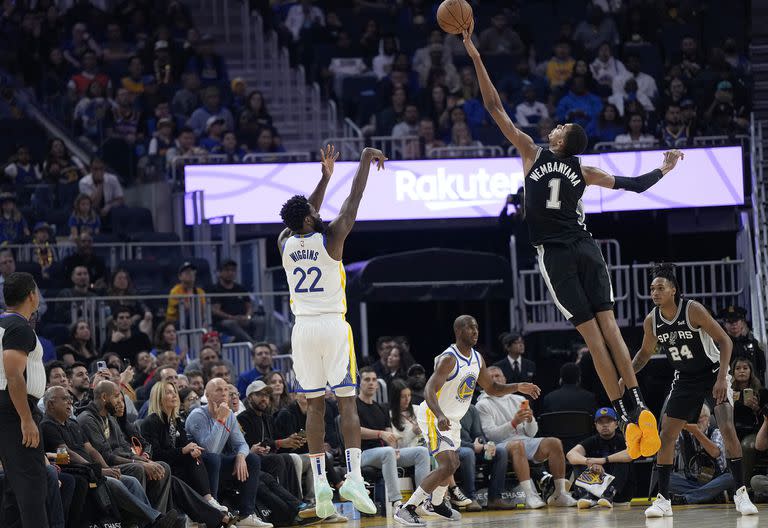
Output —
<point x="558" y="72"/>
<point x="172" y="313"/>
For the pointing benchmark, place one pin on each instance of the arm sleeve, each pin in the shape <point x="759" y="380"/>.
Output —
<point x="639" y="184"/>
<point x="212" y="440"/>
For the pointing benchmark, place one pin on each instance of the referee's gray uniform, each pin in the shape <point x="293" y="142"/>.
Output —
<point x="25" y="474"/>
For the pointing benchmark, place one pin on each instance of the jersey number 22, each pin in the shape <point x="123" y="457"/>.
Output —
<point x="313" y="271"/>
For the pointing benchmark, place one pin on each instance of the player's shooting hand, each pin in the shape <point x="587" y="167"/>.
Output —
<point x="377" y="156"/>
<point x="671" y="157"/>
<point x="328" y="157"/>
<point x="443" y="423"/>
<point x="720" y="390"/>
<point x="468" y="44"/>
<point x="530" y="389"/>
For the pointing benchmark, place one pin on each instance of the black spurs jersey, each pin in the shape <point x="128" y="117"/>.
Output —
<point x="553" y="190"/>
<point x="689" y="350"/>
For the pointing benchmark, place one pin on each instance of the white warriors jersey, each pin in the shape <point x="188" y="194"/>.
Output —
<point x="316" y="280"/>
<point x="455" y="396"/>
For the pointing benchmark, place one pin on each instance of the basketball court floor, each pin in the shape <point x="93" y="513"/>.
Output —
<point x="715" y="516"/>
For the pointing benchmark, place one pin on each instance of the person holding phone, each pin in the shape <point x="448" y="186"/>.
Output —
<point x="748" y="396"/>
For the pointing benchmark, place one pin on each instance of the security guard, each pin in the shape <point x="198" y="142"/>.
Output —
<point x="744" y="343"/>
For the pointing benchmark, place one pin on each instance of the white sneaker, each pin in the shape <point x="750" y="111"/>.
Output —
<point x="213" y="502"/>
<point x="661" y="507"/>
<point x="533" y="501"/>
<point x="743" y="505"/>
<point x="585" y="504"/>
<point x="563" y="500"/>
<point x="605" y="503"/>
<point x="252" y="521"/>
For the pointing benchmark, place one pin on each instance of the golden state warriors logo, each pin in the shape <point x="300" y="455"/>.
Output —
<point x="466" y="387"/>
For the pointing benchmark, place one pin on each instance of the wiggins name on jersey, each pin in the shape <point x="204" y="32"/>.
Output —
<point x="315" y="279"/>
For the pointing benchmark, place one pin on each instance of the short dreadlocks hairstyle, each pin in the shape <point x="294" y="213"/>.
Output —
<point x="294" y="211"/>
<point x="575" y="140"/>
<point x="666" y="270"/>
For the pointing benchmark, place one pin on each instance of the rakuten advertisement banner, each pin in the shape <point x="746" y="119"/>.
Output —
<point x="459" y="188"/>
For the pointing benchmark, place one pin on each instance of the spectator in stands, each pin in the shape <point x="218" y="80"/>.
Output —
<point x="759" y="483"/>
<point x="79" y="384"/>
<point x="230" y="148"/>
<point x="83" y="218"/>
<point x="265" y="144"/>
<point x="605" y="68"/>
<point x="606" y="126"/>
<point x="570" y="396"/>
<point x="744" y="343"/>
<point x="214" y="129"/>
<point x="60" y="166"/>
<point x="409" y="126"/>
<point x="182" y="292"/>
<point x="211" y="107"/>
<point x="280" y="398"/>
<point x="79" y="348"/>
<point x="232" y="314"/>
<point x="579" y="105"/>
<point x="383" y="345"/>
<point x="500" y="38"/>
<point x="183" y="146"/>
<point x="189" y="399"/>
<point x="427" y="139"/>
<point x="701" y="451"/>
<point x="508" y="419"/>
<point x="235" y="405"/>
<point x="735" y="58"/>
<point x="646" y="85"/>
<point x="91" y="113"/>
<point x="261" y="357"/>
<point x="630" y="97"/>
<point x="382" y="62"/>
<point x="79" y="83"/>
<point x="635" y="137"/>
<point x="255" y="114"/>
<point x="726" y="114"/>
<point x="432" y="57"/>
<point x="215" y="428"/>
<point x="303" y="17"/>
<point x="121" y="286"/>
<point x="186" y="99"/>
<point x="124" y="341"/>
<point x="162" y="65"/>
<point x="218" y="369"/>
<point x="673" y="132"/>
<point x="207" y="356"/>
<point x="209" y="65"/>
<point x="514" y="366"/>
<point x="115" y="49"/>
<point x="403" y="417"/>
<point x="530" y="111"/>
<point x="21" y="170"/>
<point x="399" y="360"/>
<point x="676" y="91"/>
<point x="691" y="60"/>
<point x="469" y="88"/>
<point x="13" y="226"/>
<point x="134" y="81"/>
<point x="81" y="287"/>
<point x="416" y="381"/>
<point x="748" y="396"/>
<point x="103" y="187"/>
<point x="604" y="452"/>
<point x="56" y="374"/>
<point x="379" y="442"/>
<point x="560" y="67"/>
<point x="456" y="48"/>
<point x="462" y="137"/>
<point x="84" y="256"/>
<point x="165" y="338"/>
<point x="595" y="31"/>
<point x="42" y="251"/>
<point x="543" y="130"/>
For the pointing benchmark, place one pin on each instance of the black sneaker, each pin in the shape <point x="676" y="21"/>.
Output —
<point x="166" y="521"/>
<point x="407" y="516"/>
<point x="458" y="498"/>
<point x="445" y="511"/>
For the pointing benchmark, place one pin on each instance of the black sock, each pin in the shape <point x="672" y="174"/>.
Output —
<point x="734" y="464"/>
<point x="636" y="397"/>
<point x="664" y="471"/>
<point x="621" y="409"/>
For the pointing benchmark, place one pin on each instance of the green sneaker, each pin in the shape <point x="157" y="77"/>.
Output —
<point x="324" y="500"/>
<point x="355" y="492"/>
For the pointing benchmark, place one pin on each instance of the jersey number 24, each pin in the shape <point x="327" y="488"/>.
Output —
<point x="680" y="354"/>
<point x="313" y="274"/>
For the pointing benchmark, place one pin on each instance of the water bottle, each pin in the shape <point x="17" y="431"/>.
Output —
<point x="489" y="450"/>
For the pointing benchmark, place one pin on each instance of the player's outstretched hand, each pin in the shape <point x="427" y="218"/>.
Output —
<point x="377" y="156"/>
<point x="443" y="423"/>
<point x="530" y="389"/>
<point x="671" y="158"/>
<point x="468" y="44"/>
<point x="328" y="157"/>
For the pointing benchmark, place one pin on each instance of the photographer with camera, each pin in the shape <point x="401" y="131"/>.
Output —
<point x="511" y="224"/>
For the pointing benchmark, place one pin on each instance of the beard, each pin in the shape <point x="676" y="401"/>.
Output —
<point x="318" y="225"/>
<point x="110" y="408"/>
<point x="416" y="384"/>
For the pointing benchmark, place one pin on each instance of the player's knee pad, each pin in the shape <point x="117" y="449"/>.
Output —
<point x="344" y="392"/>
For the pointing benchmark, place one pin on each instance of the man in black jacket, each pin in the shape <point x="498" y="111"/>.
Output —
<point x="515" y="367"/>
<point x="744" y="343"/>
<point x="124" y="341"/>
<point x="570" y="396"/>
<point x="259" y="432"/>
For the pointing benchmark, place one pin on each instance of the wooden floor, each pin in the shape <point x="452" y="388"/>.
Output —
<point x="720" y="516"/>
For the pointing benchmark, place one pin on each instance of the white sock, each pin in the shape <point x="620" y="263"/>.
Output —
<point x="528" y="488"/>
<point x="418" y="497"/>
<point x="353" y="463"/>
<point x="317" y="462"/>
<point x="438" y="495"/>
<point x="561" y="486"/>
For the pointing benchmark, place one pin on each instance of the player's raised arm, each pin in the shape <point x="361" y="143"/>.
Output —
<point x="342" y="224"/>
<point x="699" y="317"/>
<point x="647" y="348"/>
<point x="445" y="367"/>
<point x="595" y="176"/>
<point x="522" y="142"/>
<point x="494" y="388"/>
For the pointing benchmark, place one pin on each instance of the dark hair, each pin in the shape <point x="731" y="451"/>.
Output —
<point x="285" y="398"/>
<point x="575" y="140"/>
<point x="753" y="382"/>
<point x="396" y="388"/>
<point x="185" y="130"/>
<point x="570" y="373"/>
<point x="383" y="339"/>
<point x="123" y="309"/>
<point x="666" y="270"/>
<point x="17" y="287"/>
<point x="54" y="365"/>
<point x="193" y="374"/>
<point x="261" y="344"/>
<point x="294" y="211"/>
<point x="160" y="344"/>
<point x="210" y="366"/>
<point x="366" y="370"/>
<point x="74" y="365"/>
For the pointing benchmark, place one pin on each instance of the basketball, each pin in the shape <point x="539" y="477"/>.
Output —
<point x="454" y="16"/>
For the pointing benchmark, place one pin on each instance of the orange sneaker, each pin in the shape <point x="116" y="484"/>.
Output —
<point x="650" y="443"/>
<point x="633" y="435"/>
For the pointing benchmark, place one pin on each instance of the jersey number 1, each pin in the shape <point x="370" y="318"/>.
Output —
<point x="304" y="274"/>
<point x="554" y="194"/>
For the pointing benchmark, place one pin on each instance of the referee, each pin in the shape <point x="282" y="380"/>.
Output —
<point x="22" y="383"/>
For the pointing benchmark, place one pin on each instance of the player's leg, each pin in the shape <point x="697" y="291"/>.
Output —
<point x="435" y="485"/>
<point x="724" y="417"/>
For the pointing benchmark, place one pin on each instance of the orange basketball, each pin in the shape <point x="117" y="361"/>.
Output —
<point x="454" y="16"/>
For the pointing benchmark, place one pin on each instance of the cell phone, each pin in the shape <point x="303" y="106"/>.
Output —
<point x="101" y="365"/>
<point x="748" y="393"/>
<point x="302" y="433"/>
<point x="126" y="363"/>
<point x="525" y="405"/>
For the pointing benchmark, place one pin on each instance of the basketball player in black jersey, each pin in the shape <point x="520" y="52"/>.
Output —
<point x="569" y="259"/>
<point x="700" y="351"/>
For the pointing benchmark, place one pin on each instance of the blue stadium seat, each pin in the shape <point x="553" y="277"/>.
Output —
<point x="146" y="276"/>
<point x="66" y="194"/>
<point x="32" y="268"/>
<point x="127" y="221"/>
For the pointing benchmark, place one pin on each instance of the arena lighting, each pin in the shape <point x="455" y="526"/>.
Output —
<point x="436" y="189"/>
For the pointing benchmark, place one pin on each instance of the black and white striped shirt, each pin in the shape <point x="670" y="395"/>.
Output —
<point x="17" y="334"/>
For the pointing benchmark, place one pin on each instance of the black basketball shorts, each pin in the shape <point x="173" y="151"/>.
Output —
<point x="577" y="278"/>
<point x="690" y="391"/>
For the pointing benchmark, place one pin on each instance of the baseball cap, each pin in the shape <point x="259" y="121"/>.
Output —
<point x="605" y="412"/>
<point x="733" y="313"/>
<point x="210" y="335"/>
<point x="687" y="103"/>
<point x="187" y="265"/>
<point x="212" y="120"/>
<point x="257" y="386"/>
<point x="227" y="263"/>
<point x="161" y="44"/>
<point x="724" y="85"/>
<point x="236" y="82"/>
<point x="416" y="368"/>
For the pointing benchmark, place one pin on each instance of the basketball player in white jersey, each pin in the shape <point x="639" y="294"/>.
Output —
<point x="447" y="397"/>
<point x="323" y="351"/>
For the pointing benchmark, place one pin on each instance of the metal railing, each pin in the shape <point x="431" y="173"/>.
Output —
<point x="760" y="230"/>
<point x="485" y="151"/>
<point x="630" y="145"/>
<point x="276" y="157"/>
<point x="395" y="147"/>
<point x="714" y="141"/>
